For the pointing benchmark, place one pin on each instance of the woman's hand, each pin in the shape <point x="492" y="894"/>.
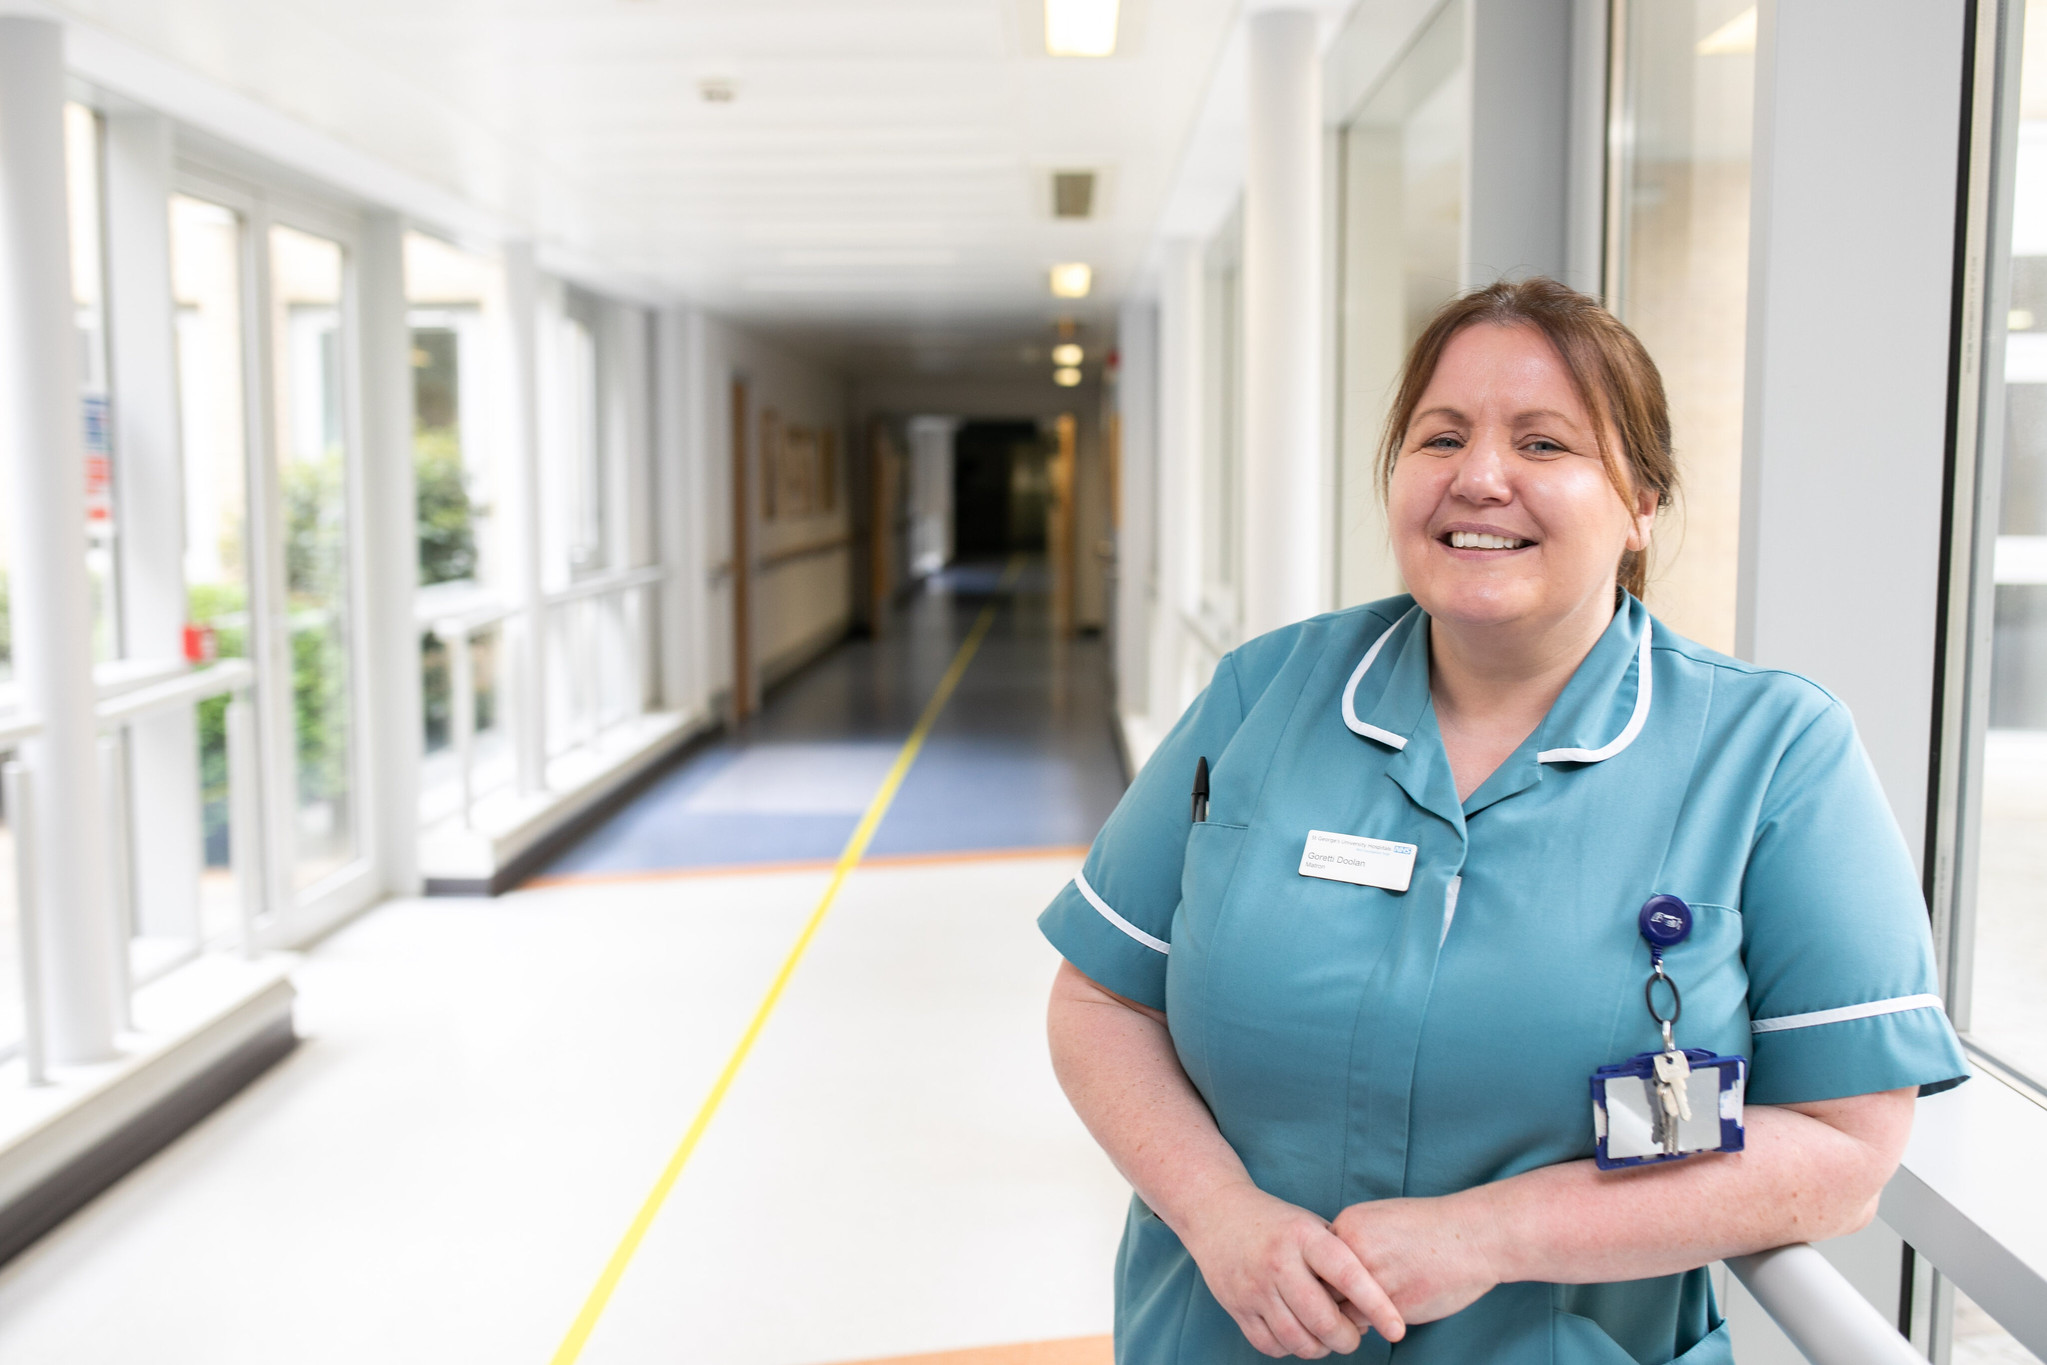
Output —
<point x="1430" y="1256"/>
<point x="1293" y="1286"/>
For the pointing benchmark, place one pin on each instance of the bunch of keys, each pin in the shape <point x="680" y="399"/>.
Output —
<point x="1642" y="1108"/>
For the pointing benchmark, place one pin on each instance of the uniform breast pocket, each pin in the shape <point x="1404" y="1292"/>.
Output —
<point x="1211" y="864"/>
<point x="1708" y="970"/>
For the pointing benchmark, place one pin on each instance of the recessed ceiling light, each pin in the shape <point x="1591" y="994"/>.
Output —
<point x="1072" y="280"/>
<point x="1734" y="38"/>
<point x="1066" y="377"/>
<point x="1080" y="28"/>
<point x="1066" y="353"/>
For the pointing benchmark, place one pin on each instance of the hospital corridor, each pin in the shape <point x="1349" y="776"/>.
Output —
<point x="821" y="682"/>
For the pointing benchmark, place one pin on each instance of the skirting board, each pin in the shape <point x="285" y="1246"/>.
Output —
<point x="218" y="1073"/>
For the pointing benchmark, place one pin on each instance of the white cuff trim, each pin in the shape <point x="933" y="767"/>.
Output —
<point x="1157" y="945"/>
<point x="1897" y="1005"/>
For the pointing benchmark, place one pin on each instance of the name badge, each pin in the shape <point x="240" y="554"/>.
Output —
<point x="1361" y="862"/>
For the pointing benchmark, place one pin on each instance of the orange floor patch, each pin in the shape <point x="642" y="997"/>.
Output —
<point x="1071" y="1351"/>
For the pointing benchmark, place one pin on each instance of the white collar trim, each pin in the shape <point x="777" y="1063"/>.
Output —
<point x="1643" y="676"/>
<point x="1350" y="690"/>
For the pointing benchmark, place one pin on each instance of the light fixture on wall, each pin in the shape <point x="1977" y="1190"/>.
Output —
<point x="1066" y="376"/>
<point x="1067" y="353"/>
<point x="1072" y="280"/>
<point x="1080" y="28"/>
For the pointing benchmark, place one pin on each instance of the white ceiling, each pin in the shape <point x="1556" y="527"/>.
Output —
<point x="879" y="185"/>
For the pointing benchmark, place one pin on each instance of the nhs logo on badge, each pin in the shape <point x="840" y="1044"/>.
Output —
<point x="1359" y="861"/>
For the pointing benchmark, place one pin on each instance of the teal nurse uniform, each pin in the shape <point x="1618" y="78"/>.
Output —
<point x="1356" y="1043"/>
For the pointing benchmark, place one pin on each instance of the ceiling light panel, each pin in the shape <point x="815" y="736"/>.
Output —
<point x="1072" y="280"/>
<point x="1080" y="28"/>
<point x="1066" y="353"/>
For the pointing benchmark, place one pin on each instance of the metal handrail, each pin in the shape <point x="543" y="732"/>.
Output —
<point x="617" y="581"/>
<point x="19" y="792"/>
<point x="1826" y="1318"/>
<point x="175" y="694"/>
<point x="19" y="726"/>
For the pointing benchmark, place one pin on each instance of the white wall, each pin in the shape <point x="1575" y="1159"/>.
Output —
<point x="801" y="602"/>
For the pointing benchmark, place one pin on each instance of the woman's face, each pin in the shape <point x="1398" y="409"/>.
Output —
<point x="1501" y="511"/>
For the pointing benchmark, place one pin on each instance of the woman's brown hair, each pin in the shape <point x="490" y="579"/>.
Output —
<point x="1615" y="378"/>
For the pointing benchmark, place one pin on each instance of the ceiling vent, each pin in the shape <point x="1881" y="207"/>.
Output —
<point x="1073" y="194"/>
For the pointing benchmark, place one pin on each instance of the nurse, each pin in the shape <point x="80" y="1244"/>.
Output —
<point x="1348" y="1080"/>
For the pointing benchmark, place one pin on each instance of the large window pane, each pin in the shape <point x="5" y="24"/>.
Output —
<point x="1402" y="257"/>
<point x="1677" y="271"/>
<point x="88" y="297"/>
<point x="206" y="289"/>
<point x="1222" y="436"/>
<point x="2007" y="1007"/>
<point x="311" y="456"/>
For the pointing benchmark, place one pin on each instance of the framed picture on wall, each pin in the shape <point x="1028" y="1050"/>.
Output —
<point x="799" y="471"/>
<point x="771" y="463"/>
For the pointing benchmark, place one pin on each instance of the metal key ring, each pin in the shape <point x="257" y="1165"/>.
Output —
<point x="1677" y="1002"/>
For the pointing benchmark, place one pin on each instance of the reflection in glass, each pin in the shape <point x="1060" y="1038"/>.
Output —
<point x="311" y="464"/>
<point x="89" y="305"/>
<point x="1677" y="271"/>
<point x="1222" y="423"/>
<point x="1404" y="158"/>
<point x="2007" y="1007"/>
<point x="206" y="263"/>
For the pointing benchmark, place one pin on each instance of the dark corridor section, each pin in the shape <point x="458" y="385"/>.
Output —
<point x="1001" y="488"/>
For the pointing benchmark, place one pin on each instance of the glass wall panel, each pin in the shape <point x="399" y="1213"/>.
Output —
<point x="457" y="317"/>
<point x="312" y="475"/>
<point x="1404" y="160"/>
<point x="206" y="288"/>
<point x="89" y="301"/>
<point x="2007" y="1007"/>
<point x="1677" y="271"/>
<point x="1222" y="427"/>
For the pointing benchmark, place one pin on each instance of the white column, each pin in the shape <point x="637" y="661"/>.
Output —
<point x="524" y="636"/>
<point x="1137" y="570"/>
<point x="163" y="752"/>
<point x="1520" y="178"/>
<point x="1284" y="493"/>
<point x="1847" y="389"/>
<point x="675" y="506"/>
<point x="40" y="437"/>
<point x="391" y="537"/>
<point x="1179" y="475"/>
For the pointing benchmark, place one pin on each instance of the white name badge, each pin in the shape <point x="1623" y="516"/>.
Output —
<point x="1361" y="862"/>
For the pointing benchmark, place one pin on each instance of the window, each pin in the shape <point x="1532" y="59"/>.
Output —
<point x="457" y="313"/>
<point x="1222" y="333"/>
<point x="1404" y="163"/>
<point x="1682" y="102"/>
<point x="206" y="289"/>
<point x="311" y="466"/>
<point x="89" y="299"/>
<point x="2004" y="1007"/>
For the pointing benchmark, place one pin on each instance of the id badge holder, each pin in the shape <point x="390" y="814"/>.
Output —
<point x="1672" y="1103"/>
<point x="1628" y="1118"/>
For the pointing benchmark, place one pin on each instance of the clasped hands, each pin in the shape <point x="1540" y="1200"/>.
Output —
<point x="1299" y="1286"/>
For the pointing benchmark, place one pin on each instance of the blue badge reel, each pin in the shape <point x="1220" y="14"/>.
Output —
<point x="1666" y="1105"/>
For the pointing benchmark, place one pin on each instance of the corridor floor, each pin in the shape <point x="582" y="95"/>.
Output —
<point x="489" y="1089"/>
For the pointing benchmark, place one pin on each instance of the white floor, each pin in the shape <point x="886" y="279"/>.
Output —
<point x="488" y="1089"/>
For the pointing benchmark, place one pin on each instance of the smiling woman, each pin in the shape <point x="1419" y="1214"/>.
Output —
<point x="1339" y="1120"/>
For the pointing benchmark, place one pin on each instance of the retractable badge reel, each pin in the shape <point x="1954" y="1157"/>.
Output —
<point x="1666" y="1105"/>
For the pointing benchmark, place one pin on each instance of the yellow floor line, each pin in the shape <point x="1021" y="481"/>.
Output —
<point x="863" y="833"/>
